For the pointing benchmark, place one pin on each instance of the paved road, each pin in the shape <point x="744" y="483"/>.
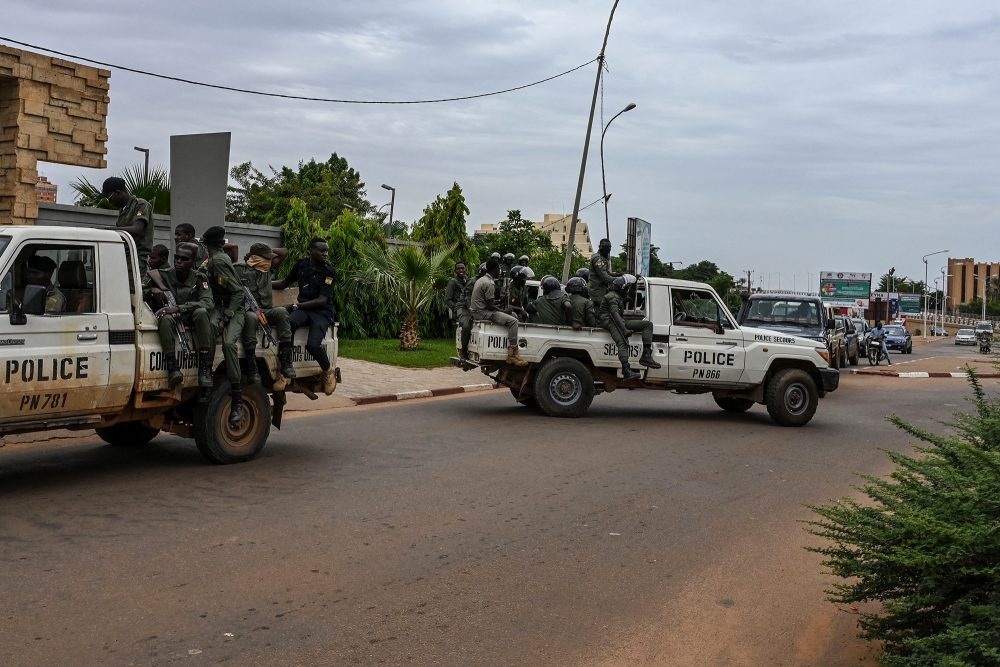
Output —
<point x="469" y="531"/>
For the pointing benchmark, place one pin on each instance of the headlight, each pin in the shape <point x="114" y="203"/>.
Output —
<point x="823" y="352"/>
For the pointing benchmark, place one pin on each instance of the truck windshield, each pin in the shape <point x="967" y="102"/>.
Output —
<point x="773" y="311"/>
<point x="4" y="242"/>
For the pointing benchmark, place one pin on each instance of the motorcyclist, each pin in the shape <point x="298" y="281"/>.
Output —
<point x="878" y="336"/>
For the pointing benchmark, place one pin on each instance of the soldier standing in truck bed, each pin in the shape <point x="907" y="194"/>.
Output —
<point x="227" y="317"/>
<point x="601" y="275"/>
<point x="135" y="216"/>
<point x="257" y="271"/>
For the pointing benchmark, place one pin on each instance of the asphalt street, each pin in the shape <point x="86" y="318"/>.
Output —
<point x="658" y="530"/>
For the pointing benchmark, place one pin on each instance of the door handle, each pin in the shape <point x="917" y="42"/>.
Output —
<point x="681" y="339"/>
<point x="726" y="343"/>
<point x="90" y="336"/>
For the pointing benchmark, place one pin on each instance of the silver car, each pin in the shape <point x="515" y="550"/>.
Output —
<point x="965" y="337"/>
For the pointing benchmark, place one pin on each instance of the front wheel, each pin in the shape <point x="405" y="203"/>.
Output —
<point x="854" y="358"/>
<point x="564" y="387"/>
<point x="791" y="397"/>
<point x="527" y="401"/>
<point x="127" y="434"/>
<point x="732" y="404"/>
<point x="221" y="442"/>
<point x="873" y="355"/>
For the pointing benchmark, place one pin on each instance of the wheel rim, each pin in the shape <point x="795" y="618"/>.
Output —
<point x="796" y="398"/>
<point x="243" y="434"/>
<point x="565" y="388"/>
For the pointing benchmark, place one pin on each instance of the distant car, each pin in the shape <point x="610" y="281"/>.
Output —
<point x="939" y="331"/>
<point x="898" y="338"/>
<point x="984" y="326"/>
<point x="965" y="337"/>
<point x="852" y="342"/>
<point x="863" y="330"/>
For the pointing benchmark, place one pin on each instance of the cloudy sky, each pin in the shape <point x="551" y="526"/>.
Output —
<point x="782" y="137"/>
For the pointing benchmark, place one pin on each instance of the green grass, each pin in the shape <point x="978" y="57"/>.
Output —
<point x="431" y="353"/>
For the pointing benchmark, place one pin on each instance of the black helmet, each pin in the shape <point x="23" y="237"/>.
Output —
<point x="551" y="287"/>
<point x="583" y="273"/>
<point x="508" y="259"/>
<point x="495" y="255"/>
<point x="523" y="260"/>
<point x="623" y="283"/>
<point x="520" y="274"/>
<point x="482" y="269"/>
<point x="576" y="285"/>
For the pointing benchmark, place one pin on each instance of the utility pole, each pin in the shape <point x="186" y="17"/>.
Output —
<point x="749" y="286"/>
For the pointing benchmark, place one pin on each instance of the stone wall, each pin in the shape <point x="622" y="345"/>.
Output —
<point x="51" y="110"/>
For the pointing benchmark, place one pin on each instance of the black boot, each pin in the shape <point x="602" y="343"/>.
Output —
<point x="628" y="373"/>
<point x="647" y="357"/>
<point x="174" y="375"/>
<point x="205" y="368"/>
<point x="236" y="408"/>
<point x="285" y="359"/>
<point x="250" y="359"/>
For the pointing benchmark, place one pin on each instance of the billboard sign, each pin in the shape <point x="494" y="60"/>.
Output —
<point x="909" y="304"/>
<point x="843" y="289"/>
<point x="638" y="242"/>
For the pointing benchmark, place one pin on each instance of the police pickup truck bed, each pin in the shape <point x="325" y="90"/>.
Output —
<point x="99" y="365"/>
<point x="696" y="340"/>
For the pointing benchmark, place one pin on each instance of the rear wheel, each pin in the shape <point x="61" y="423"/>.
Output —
<point x="732" y="404"/>
<point x="564" y="387"/>
<point x="127" y="434"/>
<point x="873" y="355"/>
<point x="221" y="442"/>
<point x="791" y="397"/>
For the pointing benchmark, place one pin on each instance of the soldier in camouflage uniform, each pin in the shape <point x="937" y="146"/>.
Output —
<point x="612" y="317"/>
<point x="517" y="297"/>
<point x="194" y="303"/>
<point x="256" y="271"/>
<point x="458" y="304"/>
<point x="582" y="308"/>
<point x="227" y="317"/>
<point x="484" y="307"/>
<point x="135" y="216"/>
<point x="601" y="275"/>
<point x="552" y="306"/>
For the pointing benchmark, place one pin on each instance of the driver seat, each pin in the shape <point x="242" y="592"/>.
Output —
<point x="73" y="285"/>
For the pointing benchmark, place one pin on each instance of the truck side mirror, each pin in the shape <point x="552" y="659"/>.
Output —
<point x="34" y="300"/>
<point x="831" y="325"/>
<point x="17" y="316"/>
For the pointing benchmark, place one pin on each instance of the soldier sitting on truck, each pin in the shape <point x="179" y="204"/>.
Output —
<point x="553" y="306"/>
<point x="159" y="257"/>
<point x="135" y="216"/>
<point x="582" y="308"/>
<point x="517" y="297"/>
<point x="227" y="316"/>
<point x="484" y="307"/>
<point x="39" y="273"/>
<point x="184" y="233"/>
<point x="256" y="271"/>
<point x="601" y="275"/>
<point x="194" y="303"/>
<point x="612" y="318"/>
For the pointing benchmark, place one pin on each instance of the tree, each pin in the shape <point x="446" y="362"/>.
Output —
<point x="515" y="235"/>
<point x="154" y="187"/>
<point x="444" y="223"/>
<point x="408" y="276"/>
<point x="296" y="232"/>
<point x="326" y="188"/>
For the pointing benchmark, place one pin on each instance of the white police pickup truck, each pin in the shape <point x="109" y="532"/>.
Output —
<point x="696" y="340"/>
<point x="97" y="362"/>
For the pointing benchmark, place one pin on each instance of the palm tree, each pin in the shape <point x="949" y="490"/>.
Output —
<point x="408" y="276"/>
<point x="154" y="187"/>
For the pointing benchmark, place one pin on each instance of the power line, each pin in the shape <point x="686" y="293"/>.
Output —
<point x="290" y="97"/>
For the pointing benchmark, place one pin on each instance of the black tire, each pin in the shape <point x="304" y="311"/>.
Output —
<point x="732" y="404"/>
<point x="909" y="348"/>
<point x="853" y="360"/>
<point x="221" y="443"/>
<point x="835" y="359"/>
<point x="564" y="387"/>
<point x="128" y="434"/>
<point x="874" y="355"/>
<point x="528" y="401"/>
<point x="791" y="397"/>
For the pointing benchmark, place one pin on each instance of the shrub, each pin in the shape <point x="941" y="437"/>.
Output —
<point x="927" y="545"/>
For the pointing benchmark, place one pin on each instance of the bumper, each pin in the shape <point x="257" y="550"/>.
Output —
<point x="896" y="345"/>
<point x="830" y="378"/>
<point x="966" y="341"/>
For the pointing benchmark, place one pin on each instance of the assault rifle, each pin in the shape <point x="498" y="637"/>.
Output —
<point x="182" y="330"/>
<point x="254" y="307"/>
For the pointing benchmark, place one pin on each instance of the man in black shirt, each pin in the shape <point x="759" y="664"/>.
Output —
<point x="314" y="307"/>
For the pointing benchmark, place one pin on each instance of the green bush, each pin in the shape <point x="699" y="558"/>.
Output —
<point x="926" y="545"/>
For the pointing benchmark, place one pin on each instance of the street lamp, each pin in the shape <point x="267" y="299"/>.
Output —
<point x="392" y="201"/>
<point x="145" y="168"/>
<point x="944" y="292"/>
<point x="926" y="304"/>
<point x="604" y="185"/>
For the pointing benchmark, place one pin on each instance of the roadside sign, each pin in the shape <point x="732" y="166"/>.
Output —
<point x="843" y="289"/>
<point x="909" y="304"/>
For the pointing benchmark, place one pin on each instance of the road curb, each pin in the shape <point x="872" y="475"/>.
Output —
<point x="921" y="374"/>
<point x="422" y="393"/>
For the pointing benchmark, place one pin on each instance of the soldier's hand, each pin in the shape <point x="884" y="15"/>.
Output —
<point x="222" y="325"/>
<point x="169" y="310"/>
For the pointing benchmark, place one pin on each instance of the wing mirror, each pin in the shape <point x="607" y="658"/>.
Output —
<point x="17" y="316"/>
<point x="831" y="325"/>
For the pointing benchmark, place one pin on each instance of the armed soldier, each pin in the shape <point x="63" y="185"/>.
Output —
<point x="612" y="317"/>
<point x="457" y="300"/>
<point x="159" y="258"/>
<point x="523" y="260"/>
<point x="601" y="275"/>
<point x="135" y="216"/>
<point x="184" y="233"/>
<point x="581" y="308"/>
<point x="190" y="291"/>
<point x="517" y="296"/>
<point x="314" y="307"/>
<point x="552" y="306"/>
<point x="484" y="307"/>
<point x="227" y="316"/>
<point x="256" y="271"/>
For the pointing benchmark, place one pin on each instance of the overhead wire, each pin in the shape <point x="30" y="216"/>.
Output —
<point x="286" y="96"/>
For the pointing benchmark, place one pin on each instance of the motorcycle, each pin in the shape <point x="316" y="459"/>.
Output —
<point x="875" y="353"/>
<point x="985" y="342"/>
